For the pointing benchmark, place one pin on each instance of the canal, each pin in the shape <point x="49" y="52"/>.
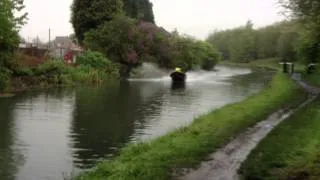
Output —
<point x="50" y="134"/>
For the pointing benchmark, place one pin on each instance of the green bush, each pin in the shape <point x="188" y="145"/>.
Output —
<point x="208" y="64"/>
<point x="188" y="53"/>
<point x="4" y="78"/>
<point x="51" y="67"/>
<point x="90" y="60"/>
<point x="208" y="55"/>
<point x="87" y="74"/>
<point x="23" y="71"/>
<point x="93" y="59"/>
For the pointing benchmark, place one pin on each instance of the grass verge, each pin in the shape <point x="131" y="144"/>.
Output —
<point x="269" y="63"/>
<point x="312" y="79"/>
<point x="291" y="151"/>
<point x="187" y="146"/>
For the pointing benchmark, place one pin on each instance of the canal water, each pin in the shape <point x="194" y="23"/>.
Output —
<point x="51" y="134"/>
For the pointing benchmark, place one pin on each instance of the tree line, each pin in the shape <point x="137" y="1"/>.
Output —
<point x="295" y="39"/>
<point x="139" y="9"/>
<point x="245" y="44"/>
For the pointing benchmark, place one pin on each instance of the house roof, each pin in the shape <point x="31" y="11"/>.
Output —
<point x="62" y="41"/>
<point x="65" y="42"/>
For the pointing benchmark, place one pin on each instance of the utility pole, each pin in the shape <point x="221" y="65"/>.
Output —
<point x="49" y="38"/>
<point x="37" y="42"/>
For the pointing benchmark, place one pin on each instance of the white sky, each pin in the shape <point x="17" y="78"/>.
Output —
<point x="194" y="17"/>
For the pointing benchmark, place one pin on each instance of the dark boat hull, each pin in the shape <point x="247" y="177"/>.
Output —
<point x="178" y="77"/>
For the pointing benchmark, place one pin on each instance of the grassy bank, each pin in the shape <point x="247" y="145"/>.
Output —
<point x="291" y="151"/>
<point x="56" y="73"/>
<point x="187" y="146"/>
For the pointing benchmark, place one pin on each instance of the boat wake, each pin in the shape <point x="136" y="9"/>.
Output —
<point x="221" y="73"/>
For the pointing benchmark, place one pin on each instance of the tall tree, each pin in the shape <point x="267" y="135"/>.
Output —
<point x="267" y="38"/>
<point x="286" y="46"/>
<point x="139" y="9"/>
<point x="10" y="25"/>
<point x="220" y="39"/>
<point x="89" y="14"/>
<point x="9" y="38"/>
<point x="308" y="12"/>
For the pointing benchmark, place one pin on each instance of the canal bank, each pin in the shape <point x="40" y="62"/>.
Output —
<point x="291" y="150"/>
<point x="286" y="160"/>
<point x="226" y="162"/>
<point x="186" y="147"/>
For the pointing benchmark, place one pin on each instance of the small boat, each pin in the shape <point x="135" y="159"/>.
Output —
<point x="178" y="76"/>
<point x="178" y="86"/>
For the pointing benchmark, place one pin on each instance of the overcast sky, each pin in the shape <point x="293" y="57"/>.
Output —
<point x="194" y="17"/>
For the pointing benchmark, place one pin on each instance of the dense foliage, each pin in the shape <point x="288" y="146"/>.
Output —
<point x="189" y="53"/>
<point x="9" y="37"/>
<point x="87" y="14"/>
<point x="132" y="42"/>
<point x="126" y="34"/>
<point x="245" y="44"/>
<point x="114" y="39"/>
<point x="307" y="12"/>
<point x="139" y="9"/>
<point x="94" y="60"/>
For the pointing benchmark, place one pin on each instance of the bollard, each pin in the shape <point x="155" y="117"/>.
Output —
<point x="285" y="67"/>
<point x="311" y="68"/>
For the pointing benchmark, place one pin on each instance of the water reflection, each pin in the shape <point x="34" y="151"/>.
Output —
<point x="10" y="158"/>
<point x="105" y="118"/>
<point x="242" y="84"/>
<point x="178" y="86"/>
<point x="44" y="134"/>
<point x="40" y="124"/>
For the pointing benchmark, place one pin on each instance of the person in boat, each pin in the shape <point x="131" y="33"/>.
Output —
<point x="178" y="75"/>
<point x="179" y="70"/>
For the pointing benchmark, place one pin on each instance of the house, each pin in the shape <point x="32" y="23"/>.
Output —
<point x="63" y="47"/>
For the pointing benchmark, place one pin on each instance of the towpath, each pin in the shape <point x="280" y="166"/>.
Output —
<point x="224" y="163"/>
